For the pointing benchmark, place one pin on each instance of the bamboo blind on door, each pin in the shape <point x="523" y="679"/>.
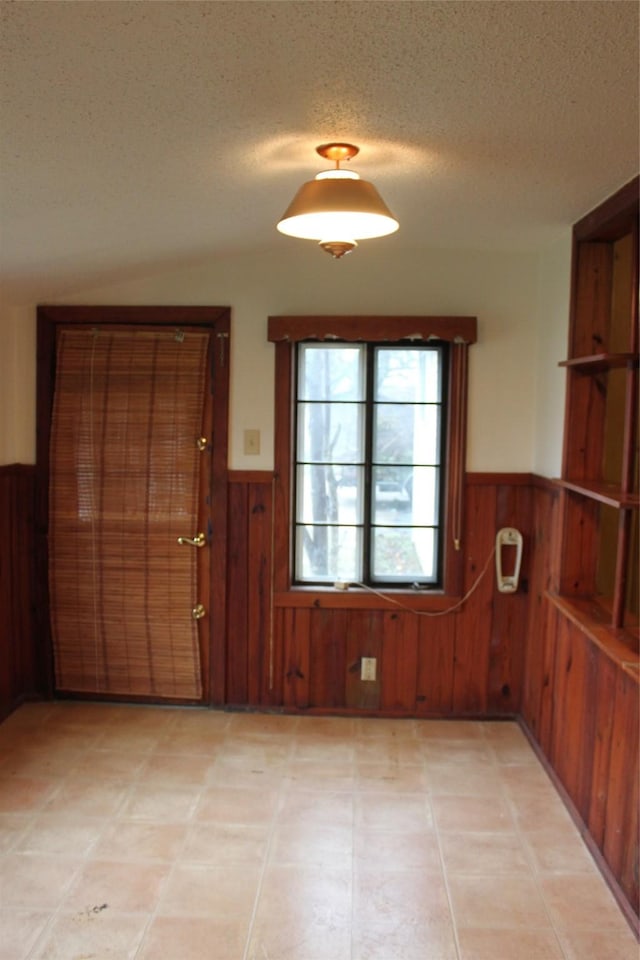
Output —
<point x="124" y="485"/>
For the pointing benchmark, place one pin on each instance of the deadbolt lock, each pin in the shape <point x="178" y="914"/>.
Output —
<point x="198" y="612"/>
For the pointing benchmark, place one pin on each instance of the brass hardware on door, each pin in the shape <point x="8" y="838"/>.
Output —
<point x="198" y="541"/>
<point x="198" y="612"/>
<point x="201" y="444"/>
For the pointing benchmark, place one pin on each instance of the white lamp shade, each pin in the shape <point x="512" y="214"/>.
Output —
<point x="337" y="209"/>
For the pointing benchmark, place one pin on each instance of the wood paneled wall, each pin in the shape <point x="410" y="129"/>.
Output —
<point x="249" y="635"/>
<point x="581" y="706"/>
<point x="305" y="654"/>
<point x="19" y="668"/>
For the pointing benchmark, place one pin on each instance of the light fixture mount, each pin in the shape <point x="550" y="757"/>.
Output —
<point x="338" y="152"/>
<point x="338" y="248"/>
<point x="337" y="208"/>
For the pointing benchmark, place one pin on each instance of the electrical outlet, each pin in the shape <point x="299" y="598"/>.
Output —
<point x="368" y="668"/>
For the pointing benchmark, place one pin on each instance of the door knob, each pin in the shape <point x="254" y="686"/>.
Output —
<point x="198" y="541"/>
<point x="198" y="612"/>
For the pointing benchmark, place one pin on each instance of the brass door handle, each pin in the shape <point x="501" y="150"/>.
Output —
<point x="198" y="612"/>
<point x="198" y="541"/>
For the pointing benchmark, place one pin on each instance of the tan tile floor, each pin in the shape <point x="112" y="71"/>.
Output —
<point x="174" y="834"/>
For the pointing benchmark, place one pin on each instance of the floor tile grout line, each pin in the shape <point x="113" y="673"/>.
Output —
<point x="80" y="862"/>
<point x="267" y="851"/>
<point x="526" y="848"/>
<point x="445" y="875"/>
<point x="524" y="843"/>
<point x="496" y="763"/>
<point x="535" y="876"/>
<point x="114" y="817"/>
<point x="153" y="914"/>
<point x="50" y="924"/>
<point x="176" y="860"/>
<point x="354" y="792"/>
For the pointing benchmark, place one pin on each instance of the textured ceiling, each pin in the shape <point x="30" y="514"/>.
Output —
<point x="138" y="134"/>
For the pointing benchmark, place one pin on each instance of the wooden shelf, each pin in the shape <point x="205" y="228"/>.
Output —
<point x="620" y="645"/>
<point x="600" y="362"/>
<point x="606" y="493"/>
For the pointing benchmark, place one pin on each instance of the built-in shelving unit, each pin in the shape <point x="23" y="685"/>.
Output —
<point x="599" y="545"/>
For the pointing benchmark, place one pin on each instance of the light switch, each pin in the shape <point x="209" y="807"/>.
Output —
<point x="252" y="442"/>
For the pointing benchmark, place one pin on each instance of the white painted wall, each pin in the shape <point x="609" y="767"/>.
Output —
<point x="17" y="385"/>
<point x="512" y="298"/>
<point x="552" y="323"/>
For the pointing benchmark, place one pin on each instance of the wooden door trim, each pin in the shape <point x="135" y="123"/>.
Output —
<point x="218" y="321"/>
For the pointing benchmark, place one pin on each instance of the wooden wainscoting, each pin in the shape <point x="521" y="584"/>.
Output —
<point x="302" y="650"/>
<point x="249" y="649"/>
<point x="19" y="666"/>
<point x="581" y="707"/>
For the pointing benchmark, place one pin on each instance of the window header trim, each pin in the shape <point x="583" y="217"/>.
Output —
<point x="372" y="329"/>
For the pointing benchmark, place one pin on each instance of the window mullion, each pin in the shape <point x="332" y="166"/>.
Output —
<point x="368" y="454"/>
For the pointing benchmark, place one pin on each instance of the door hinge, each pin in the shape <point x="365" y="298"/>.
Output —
<point x="221" y="351"/>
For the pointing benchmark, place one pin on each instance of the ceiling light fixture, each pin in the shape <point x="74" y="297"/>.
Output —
<point x="337" y="208"/>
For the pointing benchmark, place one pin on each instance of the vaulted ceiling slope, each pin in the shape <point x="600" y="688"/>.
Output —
<point x="141" y="133"/>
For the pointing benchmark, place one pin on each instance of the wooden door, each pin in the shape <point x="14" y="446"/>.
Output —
<point x="132" y="612"/>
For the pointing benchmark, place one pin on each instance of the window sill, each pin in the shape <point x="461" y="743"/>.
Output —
<point x="621" y="646"/>
<point x="357" y="598"/>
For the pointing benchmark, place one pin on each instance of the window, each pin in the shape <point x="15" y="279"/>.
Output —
<point x="370" y="423"/>
<point x="369" y="438"/>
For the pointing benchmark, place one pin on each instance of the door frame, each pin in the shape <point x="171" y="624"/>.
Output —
<point x="217" y="320"/>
